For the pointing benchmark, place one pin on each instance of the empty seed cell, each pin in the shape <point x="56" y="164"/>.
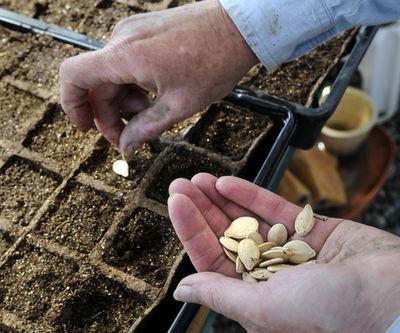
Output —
<point x="101" y="21"/>
<point x="41" y="65"/>
<point x="57" y="138"/>
<point x="295" y="81"/>
<point x="181" y="162"/>
<point x="146" y="246"/>
<point x="100" y="305"/>
<point x="13" y="45"/>
<point x="228" y="130"/>
<point x="31" y="279"/>
<point x="68" y="14"/>
<point x="79" y="218"/>
<point x="17" y="110"/>
<point x="5" y="242"/>
<point x="24" y="186"/>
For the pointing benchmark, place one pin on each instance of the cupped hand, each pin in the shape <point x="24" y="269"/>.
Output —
<point x="188" y="56"/>
<point x="354" y="287"/>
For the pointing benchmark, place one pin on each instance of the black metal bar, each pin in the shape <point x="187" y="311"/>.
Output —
<point x="27" y="23"/>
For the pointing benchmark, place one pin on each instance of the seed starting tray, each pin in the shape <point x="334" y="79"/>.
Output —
<point x="94" y="252"/>
<point x="312" y="116"/>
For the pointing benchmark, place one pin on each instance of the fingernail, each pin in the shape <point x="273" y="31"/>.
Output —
<point x="184" y="294"/>
<point x="130" y="150"/>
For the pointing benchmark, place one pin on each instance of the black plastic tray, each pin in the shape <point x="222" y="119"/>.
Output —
<point x="270" y="154"/>
<point x="310" y="120"/>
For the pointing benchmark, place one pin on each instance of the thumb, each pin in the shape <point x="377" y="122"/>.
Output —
<point x="167" y="110"/>
<point x="231" y="297"/>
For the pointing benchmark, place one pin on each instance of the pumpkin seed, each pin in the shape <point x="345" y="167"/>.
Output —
<point x="305" y="221"/>
<point x="121" y="167"/>
<point x="248" y="278"/>
<point x="248" y="253"/>
<point x="302" y="252"/>
<point x="261" y="274"/>
<point x="277" y="253"/>
<point x="278" y="234"/>
<point x="266" y="246"/>
<point x="241" y="227"/>
<point x="269" y="262"/>
<point x="239" y="266"/>
<point x="256" y="237"/>
<point x="229" y="243"/>
<point x="278" y="267"/>
<point x="232" y="256"/>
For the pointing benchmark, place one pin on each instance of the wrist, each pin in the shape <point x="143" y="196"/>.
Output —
<point x="384" y="295"/>
<point x="242" y="53"/>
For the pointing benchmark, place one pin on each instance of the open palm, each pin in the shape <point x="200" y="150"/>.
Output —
<point x="352" y="288"/>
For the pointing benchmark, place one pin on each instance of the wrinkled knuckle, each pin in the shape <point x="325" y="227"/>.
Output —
<point x="213" y="300"/>
<point x="119" y="27"/>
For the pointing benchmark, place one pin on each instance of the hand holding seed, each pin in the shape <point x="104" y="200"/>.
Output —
<point x="353" y="280"/>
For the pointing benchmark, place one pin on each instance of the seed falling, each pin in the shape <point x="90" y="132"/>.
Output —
<point x="121" y="168"/>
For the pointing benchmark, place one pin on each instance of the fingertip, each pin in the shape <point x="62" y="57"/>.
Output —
<point x="177" y="185"/>
<point x="203" y="177"/>
<point x="223" y="181"/>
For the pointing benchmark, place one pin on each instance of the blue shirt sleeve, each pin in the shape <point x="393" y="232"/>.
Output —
<point x="281" y="30"/>
<point x="395" y="327"/>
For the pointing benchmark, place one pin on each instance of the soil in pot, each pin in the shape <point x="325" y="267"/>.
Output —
<point x="24" y="186"/>
<point x="17" y="108"/>
<point x="294" y="81"/>
<point x="228" y="130"/>
<point x="5" y="242"/>
<point x="57" y="138"/>
<point x="31" y="279"/>
<point x="181" y="162"/>
<point x="13" y="45"/>
<point x="101" y="21"/>
<point x="68" y="14"/>
<point x="146" y="246"/>
<point x="41" y="65"/>
<point x="79" y="218"/>
<point x="100" y="305"/>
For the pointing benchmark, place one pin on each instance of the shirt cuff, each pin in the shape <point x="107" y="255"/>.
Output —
<point x="280" y="30"/>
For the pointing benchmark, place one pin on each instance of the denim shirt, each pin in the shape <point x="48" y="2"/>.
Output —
<point x="281" y="30"/>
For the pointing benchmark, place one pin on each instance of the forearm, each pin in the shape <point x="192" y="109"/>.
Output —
<point x="281" y="30"/>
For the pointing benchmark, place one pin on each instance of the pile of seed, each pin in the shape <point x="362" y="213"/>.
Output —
<point x="257" y="259"/>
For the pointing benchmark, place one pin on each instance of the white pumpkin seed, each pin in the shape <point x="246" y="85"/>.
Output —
<point x="314" y="261"/>
<point x="278" y="267"/>
<point x="229" y="243"/>
<point x="269" y="262"/>
<point x="121" y="167"/>
<point x="305" y="221"/>
<point x="239" y="266"/>
<point x="302" y="252"/>
<point x="266" y="246"/>
<point x="278" y="234"/>
<point x="278" y="253"/>
<point x="248" y="278"/>
<point x="261" y="274"/>
<point x="256" y="237"/>
<point x="241" y="227"/>
<point x="232" y="256"/>
<point x="248" y="253"/>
